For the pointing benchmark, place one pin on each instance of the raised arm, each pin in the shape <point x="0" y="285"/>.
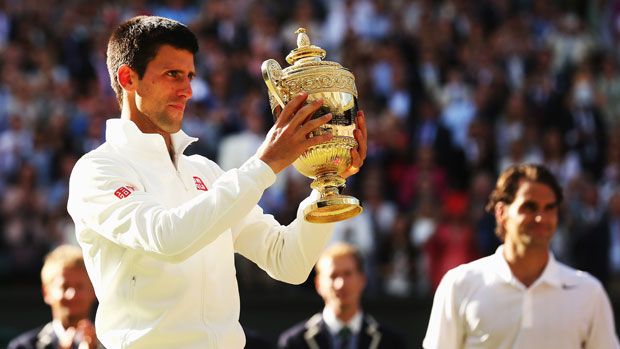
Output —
<point x="140" y="221"/>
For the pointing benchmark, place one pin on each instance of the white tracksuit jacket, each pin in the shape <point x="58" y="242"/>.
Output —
<point x="159" y="239"/>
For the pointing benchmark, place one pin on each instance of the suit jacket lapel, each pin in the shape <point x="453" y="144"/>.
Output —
<point x="316" y="334"/>
<point x="370" y="336"/>
<point x="46" y="338"/>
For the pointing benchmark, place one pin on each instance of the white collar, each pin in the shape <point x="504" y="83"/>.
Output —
<point x="551" y="274"/>
<point x="125" y="132"/>
<point x="334" y="325"/>
<point x="59" y="330"/>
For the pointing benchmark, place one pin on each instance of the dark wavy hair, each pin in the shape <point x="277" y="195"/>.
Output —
<point x="508" y="185"/>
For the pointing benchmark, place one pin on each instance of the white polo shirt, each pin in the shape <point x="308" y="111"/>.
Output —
<point x="482" y="305"/>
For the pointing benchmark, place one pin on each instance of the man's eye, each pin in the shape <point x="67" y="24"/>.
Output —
<point x="549" y="208"/>
<point x="173" y="74"/>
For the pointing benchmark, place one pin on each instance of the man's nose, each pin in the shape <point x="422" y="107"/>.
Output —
<point x="186" y="90"/>
<point x="338" y="283"/>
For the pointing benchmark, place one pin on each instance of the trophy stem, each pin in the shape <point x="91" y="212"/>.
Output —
<point x="327" y="183"/>
<point x="331" y="206"/>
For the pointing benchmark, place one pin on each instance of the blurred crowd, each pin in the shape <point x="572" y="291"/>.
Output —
<point x="454" y="91"/>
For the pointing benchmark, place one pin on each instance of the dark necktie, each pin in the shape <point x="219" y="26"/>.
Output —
<point x="344" y="337"/>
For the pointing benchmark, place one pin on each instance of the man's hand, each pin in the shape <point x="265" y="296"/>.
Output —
<point x="288" y="138"/>
<point x="83" y="335"/>
<point x="358" y="155"/>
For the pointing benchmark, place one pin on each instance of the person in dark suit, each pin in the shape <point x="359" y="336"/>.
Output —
<point x="69" y="293"/>
<point x="340" y="281"/>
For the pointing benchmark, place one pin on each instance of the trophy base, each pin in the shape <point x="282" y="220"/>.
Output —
<point x="334" y="208"/>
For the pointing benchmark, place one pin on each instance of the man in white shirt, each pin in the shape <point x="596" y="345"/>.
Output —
<point x="521" y="297"/>
<point x="159" y="229"/>
<point x="340" y="281"/>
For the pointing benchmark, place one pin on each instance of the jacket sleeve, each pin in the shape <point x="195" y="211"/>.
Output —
<point x="138" y="221"/>
<point x="286" y="253"/>
<point x="445" y="328"/>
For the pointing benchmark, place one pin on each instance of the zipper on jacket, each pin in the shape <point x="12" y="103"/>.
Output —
<point x="177" y="171"/>
<point x="212" y="335"/>
<point x="132" y="292"/>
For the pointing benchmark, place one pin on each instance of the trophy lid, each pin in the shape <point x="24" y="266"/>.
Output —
<point x="304" y="49"/>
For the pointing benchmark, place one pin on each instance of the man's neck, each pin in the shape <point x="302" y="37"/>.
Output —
<point x="345" y="314"/>
<point x="67" y="322"/>
<point x="130" y="112"/>
<point x="526" y="264"/>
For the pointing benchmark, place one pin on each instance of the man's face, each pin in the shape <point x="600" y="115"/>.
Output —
<point x="339" y="282"/>
<point x="164" y="90"/>
<point x="532" y="218"/>
<point x="70" y="294"/>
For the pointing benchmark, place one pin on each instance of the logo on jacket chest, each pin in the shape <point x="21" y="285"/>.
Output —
<point x="200" y="185"/>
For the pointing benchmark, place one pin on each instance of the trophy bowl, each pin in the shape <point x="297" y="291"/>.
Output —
<point x="324" y="162"/>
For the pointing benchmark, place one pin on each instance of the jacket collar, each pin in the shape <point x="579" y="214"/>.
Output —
<point x="123" y="132"/>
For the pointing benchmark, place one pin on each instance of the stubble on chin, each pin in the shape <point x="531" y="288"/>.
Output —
<point x="170" y="124"/>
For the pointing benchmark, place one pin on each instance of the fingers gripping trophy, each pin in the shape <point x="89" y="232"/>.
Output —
<point x="325" y="162"/>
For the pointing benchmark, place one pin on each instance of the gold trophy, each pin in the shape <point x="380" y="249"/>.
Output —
<point x="324" y="162"/>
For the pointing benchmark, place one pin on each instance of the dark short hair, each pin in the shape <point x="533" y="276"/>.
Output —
<point x="136" y="42"/>
<point x="508" y="184"/>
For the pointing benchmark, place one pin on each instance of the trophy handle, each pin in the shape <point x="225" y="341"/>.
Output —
<point x="272" y="74"/>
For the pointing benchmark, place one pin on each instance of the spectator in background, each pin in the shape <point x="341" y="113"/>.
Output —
<point x="521" y="297"/>
<point x="608" y="86"/>
<point x="340" y="281"/>
<point x="481" y="187"/>
<point x="24" y="228"/>
<point x="611" y="173"/>
<point x="453" y="242"/>
<point x="429" y="132"/>
<point x="510" y="125"/>
<point x="583" y="126"/>
<point x="596" y="234"/>
<point x="69" y="293"/>
<point x="563" y="163"/>
<point x="397" y="259"/>
<point x="422" y="177"/>
<point x="612" y="220"/>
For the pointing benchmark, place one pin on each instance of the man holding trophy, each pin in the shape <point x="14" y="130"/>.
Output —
<point x="159" y="229"/>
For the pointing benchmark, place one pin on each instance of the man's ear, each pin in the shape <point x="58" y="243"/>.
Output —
<point x="127" y="77"/>
<point x="500" y="212"/>
<point x="317" y="283"/>
<point x="46" y="295"/>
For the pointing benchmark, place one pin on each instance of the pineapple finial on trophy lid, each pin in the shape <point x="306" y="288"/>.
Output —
<point x="302" y="37"/>
<point x="305" y="50"/>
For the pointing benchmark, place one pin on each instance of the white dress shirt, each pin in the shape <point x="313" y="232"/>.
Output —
<point x="334" y="325"/>
<point x="482" y="305"/>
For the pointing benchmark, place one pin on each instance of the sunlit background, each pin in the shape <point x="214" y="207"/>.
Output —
<point x="453" y="91"/>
